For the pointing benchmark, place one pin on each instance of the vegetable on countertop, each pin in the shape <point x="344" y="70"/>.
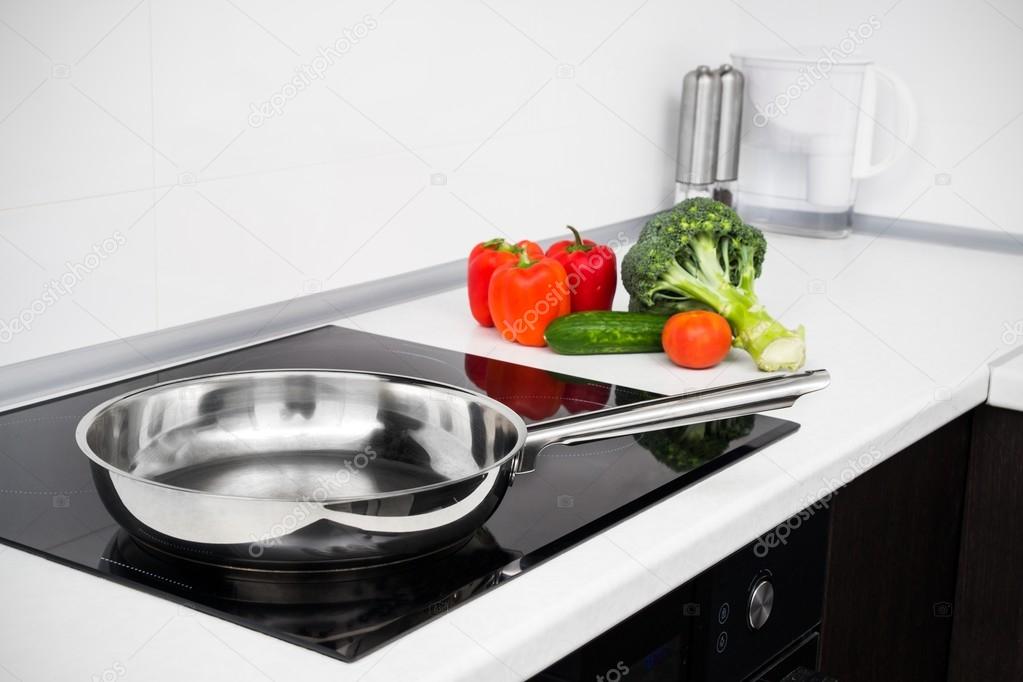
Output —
<point x="484" y="259"/>
<point x="533" y="249"/>
<point x="592" y="271"/>
<point x="701" y="252"/>
<point x="596" y="332"/>
<point x="526" y="296"/>
<point x="697" y="339"/>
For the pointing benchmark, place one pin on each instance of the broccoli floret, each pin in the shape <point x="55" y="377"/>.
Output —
<point x="701" y="254"/>
<point x="663" y="307"/>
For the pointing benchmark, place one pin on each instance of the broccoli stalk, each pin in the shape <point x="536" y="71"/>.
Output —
<point x="701" y="254"/>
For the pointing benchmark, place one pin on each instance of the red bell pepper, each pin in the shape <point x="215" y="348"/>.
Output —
<point x="484" y="258"/>
<point x="532" y="248"/>
<point x="592" y="271"/>
<point x="525" y="296"/>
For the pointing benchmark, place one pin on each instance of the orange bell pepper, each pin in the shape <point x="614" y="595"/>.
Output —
<point x="484" y="259"/>
<point x="525" y="296"/>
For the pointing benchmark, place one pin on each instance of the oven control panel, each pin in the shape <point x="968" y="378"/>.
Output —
<point x="753" y="616"/>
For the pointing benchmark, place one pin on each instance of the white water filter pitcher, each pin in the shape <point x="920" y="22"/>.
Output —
<point x="808" y="137"/>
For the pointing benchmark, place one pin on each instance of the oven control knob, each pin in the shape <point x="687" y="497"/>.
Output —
<point x="761" y="601"/>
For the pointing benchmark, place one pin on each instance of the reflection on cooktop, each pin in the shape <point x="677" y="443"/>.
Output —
<point x="348" y="612"/>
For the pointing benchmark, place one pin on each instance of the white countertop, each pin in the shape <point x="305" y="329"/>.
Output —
<point x="907" y="329"/>
<point x="1005" y="388"/>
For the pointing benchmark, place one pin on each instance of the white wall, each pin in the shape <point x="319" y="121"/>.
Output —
<point x="447" y="123"/>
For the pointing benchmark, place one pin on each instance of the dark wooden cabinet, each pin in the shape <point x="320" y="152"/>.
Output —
<point x="893" y="553"/>
<point x="987" y="636"/>
<point x="925" y="560"/>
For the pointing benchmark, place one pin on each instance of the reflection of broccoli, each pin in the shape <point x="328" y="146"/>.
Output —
<point x="686" y="447"/>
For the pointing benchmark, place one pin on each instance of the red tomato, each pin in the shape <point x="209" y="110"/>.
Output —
<point x="697" y="339"/>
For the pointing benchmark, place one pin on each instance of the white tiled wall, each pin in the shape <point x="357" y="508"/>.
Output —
<point x="444" y="123"/>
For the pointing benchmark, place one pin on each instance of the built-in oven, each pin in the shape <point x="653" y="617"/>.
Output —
<point x="753" y="617"/>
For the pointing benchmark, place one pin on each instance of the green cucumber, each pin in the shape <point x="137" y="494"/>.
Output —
<point x="602" y="331"/>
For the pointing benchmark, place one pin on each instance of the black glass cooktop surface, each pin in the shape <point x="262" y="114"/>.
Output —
<point x="49" y="505"/>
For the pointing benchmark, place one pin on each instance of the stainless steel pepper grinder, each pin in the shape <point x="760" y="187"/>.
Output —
<point x="726" y="167"/>
<point x="709" y="130"/>
<point x="698" y="133"/>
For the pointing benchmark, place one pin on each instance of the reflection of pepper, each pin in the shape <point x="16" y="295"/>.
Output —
<point x="476" y="370"/>
<point x="585" y="397"/>
<point x="582" y="395"/>
<point x="592" y="272"/>
<point x="533" y="393"/>
<point x="526" y="296"/>
<point x="484" y="258"/>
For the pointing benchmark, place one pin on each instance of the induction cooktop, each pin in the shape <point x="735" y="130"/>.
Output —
<point x="49" y="505"/>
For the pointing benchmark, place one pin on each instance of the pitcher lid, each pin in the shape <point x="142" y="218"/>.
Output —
<point x="803" y="54"/>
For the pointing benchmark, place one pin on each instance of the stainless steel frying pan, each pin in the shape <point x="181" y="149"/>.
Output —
<point x="313" y="469"/>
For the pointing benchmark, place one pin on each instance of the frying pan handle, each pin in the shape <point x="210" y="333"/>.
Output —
<point x="734" y="400"/>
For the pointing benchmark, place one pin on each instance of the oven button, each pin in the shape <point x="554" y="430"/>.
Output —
<point x="761" y="601"/>
<point x="721" y="643"/>
<point x="723" y="612"/>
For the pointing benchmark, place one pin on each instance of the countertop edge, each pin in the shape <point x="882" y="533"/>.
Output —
<point x="1005" y="387"/>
